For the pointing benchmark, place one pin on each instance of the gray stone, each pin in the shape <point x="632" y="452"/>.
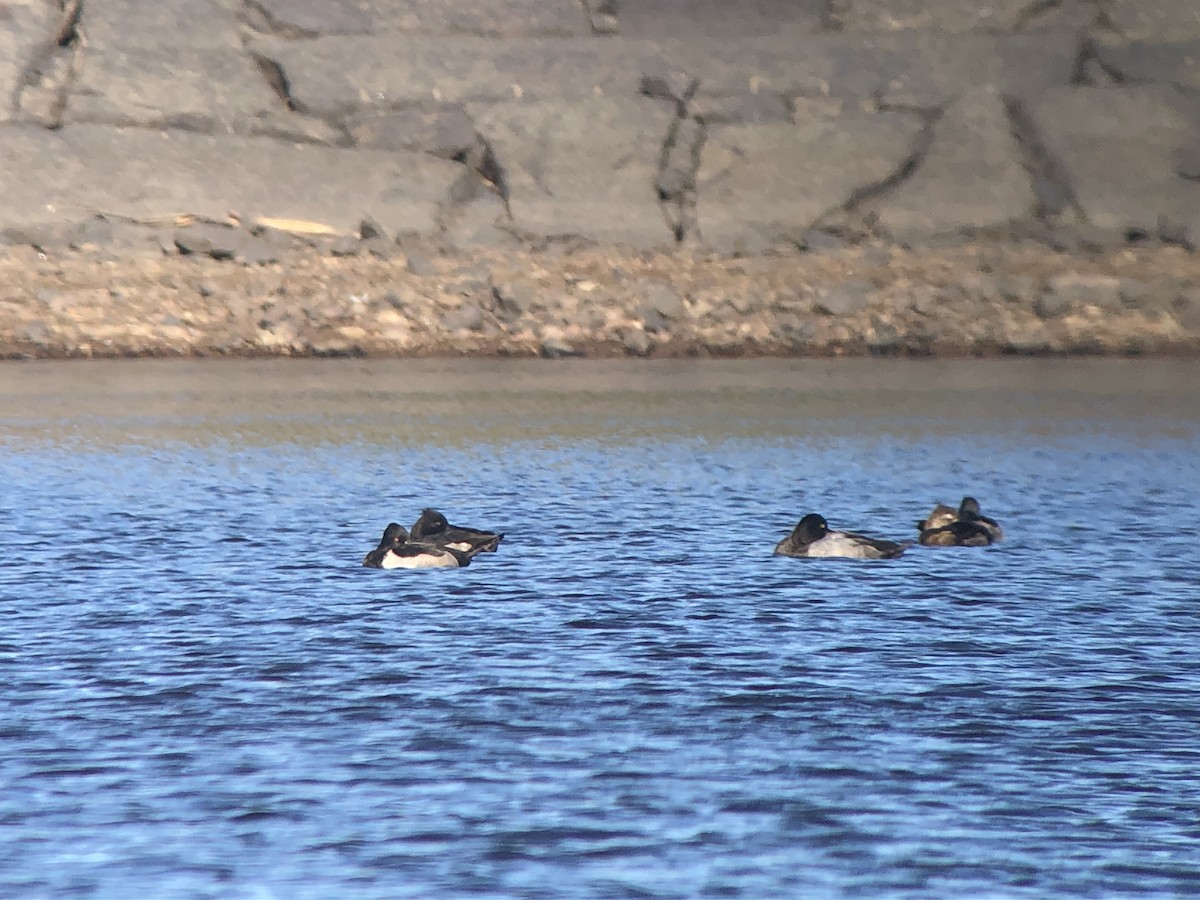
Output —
<point x="25" y="47"/>
<point x="514" y="299"/>
<point x="747" y="109"/>
<point x="216" y="241"/>
<point x="1078" y="290"/>
<point x="636" y="342"/>
<point x="1186" y="309"/>
<point x="310" y="18"/>
<point x="971" y="177"/>
<point x="448" y="133"/>
<point x="1169" y="20"/>
<point x="1176" y="64"/>
<point x="1187" y="162"/>
<point x="340" y="75"/>
<point x="345" y="245"/>
<point x="468" y="317"/>
<point x="181" y="23"/>
<point x="582" y="168"/>
<point x="913" y="68"/>
<point x="1118" y="146"/>
<point x="210" y="90"/>
<point x="558" y="348"/>
<point x="664" y="300"/>
<point x="845" y="299"/>
<point x="689" y="19"/>
<point x="84" y="170"/>
<point x="602" y="16"/>
<point x="765" y="182"/>
<point x="420" y="265"/>
<point x="1182" y="228"/>
<point x="945" y="16"/>
<point x="1051" y="305"/>
<point x="483" y="222"/>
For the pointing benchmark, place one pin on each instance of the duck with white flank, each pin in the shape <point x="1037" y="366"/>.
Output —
<point x="812" y="537"/>
<point x="396" y="551"/>
<point x="966" y="527"/>
<point x="432" y="528"/>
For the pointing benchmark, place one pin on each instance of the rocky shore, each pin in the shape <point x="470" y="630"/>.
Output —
<point x="854" y="298"/>
<point x="565" y="177"/>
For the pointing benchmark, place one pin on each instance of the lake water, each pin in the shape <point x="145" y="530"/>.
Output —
<point x="204" y="694"/>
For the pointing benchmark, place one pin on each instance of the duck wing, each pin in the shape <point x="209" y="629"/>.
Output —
<point x="879" y="548"/>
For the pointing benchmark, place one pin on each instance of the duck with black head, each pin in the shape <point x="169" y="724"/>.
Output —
<point x="812" y="537"/>
<point x="433" y="528"/>
<point x="396" y="551"/>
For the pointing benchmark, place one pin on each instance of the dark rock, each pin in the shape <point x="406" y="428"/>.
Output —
<point x="844" y="299"/>
<point x="208" y="240"/>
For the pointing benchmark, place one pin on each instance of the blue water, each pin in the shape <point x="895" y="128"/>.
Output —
<point x="205" y="695"/>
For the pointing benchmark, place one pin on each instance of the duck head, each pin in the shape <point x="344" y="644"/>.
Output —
<point x="810" y="529"/>
<point x="431" y="522"/>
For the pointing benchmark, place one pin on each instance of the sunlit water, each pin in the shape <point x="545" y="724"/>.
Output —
<point x="205" y="695"/>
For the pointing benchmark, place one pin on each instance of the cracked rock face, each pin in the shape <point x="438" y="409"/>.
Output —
<point x="778" y="181"/>
<point x="970" y="176"/>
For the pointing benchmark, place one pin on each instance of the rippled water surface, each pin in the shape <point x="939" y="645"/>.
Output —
<point x="205" y="695"/>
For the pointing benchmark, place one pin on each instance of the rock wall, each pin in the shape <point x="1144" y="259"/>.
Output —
<point x="266" y="132"/>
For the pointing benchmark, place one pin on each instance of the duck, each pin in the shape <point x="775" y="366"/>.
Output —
<point x="433" y="528"/>
<point x="941" y="516"/>
<point x="962" y="527"/>
<point x="812" y="537"/>
<point x="396" y="551"/>
<point x="969" y="511"/>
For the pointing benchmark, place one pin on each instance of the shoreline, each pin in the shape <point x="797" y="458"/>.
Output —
<point x="962" y="299"/>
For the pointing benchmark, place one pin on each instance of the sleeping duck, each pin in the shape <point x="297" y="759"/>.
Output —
<point x="396" y="551"/>
<point x="432" y="528"/>
<point x="964" y="527"/>
<point x="812" y="537"/>
<point x="941" y="516"/>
